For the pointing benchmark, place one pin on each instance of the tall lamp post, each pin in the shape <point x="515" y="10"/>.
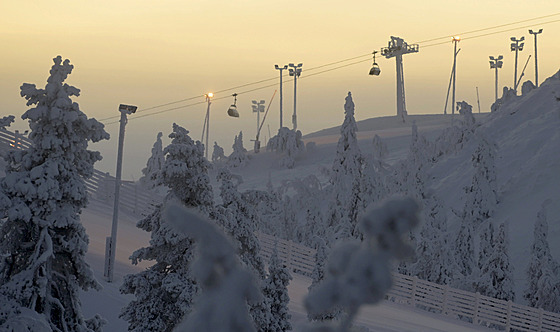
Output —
<point x="258" y="107"/>
<point x="456" y="39"/>
<point x="280" y="69"/>
<point x="517" y="47"/>
<point x="496" y="63"/>
<point x="111" y="242"/>
<point x="536" y="66"/>
<point x="295" y="71"/>
<point x="206" y="125"/>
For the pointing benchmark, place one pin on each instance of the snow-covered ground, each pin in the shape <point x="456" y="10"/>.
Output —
<point x="108" y="302"/>
<point x="527" y="134"/>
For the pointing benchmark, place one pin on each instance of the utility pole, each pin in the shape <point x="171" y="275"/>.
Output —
<point x="456" y="39"/>
<point x="111" y="242"/>
<point x="496" y="63"/>
<point x="280" y="69"/>
<point x="536" y="65"/>
<point x="396" y="48"/>
<point x="517" y="47"/>
<point x="478" y="100"/>
<point x="295" y="71"/>
<point x="206" y="125"/>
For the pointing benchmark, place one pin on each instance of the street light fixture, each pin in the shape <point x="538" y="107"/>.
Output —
<point x="517" y="47"/>
<point x="295" y="71"/>
<point x="280" y="69"/>
<point x="111" y="242"/>
<point x="536" y="66"/>
<point x="496" y="63"/>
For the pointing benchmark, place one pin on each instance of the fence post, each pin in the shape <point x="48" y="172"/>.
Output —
<point x="107" y="185"/>
<point x="290" y="255"/>
<point x="541" y="312"/>
<point x="445" y="299"/>
<point x="135" y="198"/>
<point x="476" y="307"/>
<point x="508" y="319"/>
<point x="413" y="295"/>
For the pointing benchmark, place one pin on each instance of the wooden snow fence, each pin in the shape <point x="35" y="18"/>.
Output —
<point x="473" y="307"/>
<point x="297" y="258"/>
<point x="476" y="308"/>
<point x="442" y="299"/>
<point x="101" y="186"/>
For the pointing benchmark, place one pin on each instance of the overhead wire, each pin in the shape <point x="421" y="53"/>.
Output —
<point x="327" y="70"/>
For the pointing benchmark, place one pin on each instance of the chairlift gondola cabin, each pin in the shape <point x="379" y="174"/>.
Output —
<point x="375" y="70"/>
<point x="232" y="110"/>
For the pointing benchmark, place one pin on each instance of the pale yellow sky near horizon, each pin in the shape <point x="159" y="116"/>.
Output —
<point x="149" y="53"/>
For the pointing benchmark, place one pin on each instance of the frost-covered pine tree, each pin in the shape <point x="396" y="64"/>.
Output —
<point x="346" y="176"/>
<point x="496" y="273"/>
<point x="239" y="155"/>
<point x="227" y="287"/>
<point x="275" y="291"/>
<point x="543" y="289"/>
<point x="42" y="241"/>
<point x="435" y="262"/>
<point x="218" y="153"/>
<point x="164" y="292"/>
<point x="154" y="165"/>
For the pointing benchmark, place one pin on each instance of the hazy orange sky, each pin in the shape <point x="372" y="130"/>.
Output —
<point x="149" y="53"/>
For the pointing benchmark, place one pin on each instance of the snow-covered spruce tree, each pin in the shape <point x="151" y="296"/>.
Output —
<point x="480" y="203"/>
<point x="154" y="165"/>
<point x="239" y="220"/>
<point x="360" y="272"/>
<point x="468" y="118"/>
<point x="346" y="177"/>
<point x="374" y="172"/>
<point x="275" y="291"/>
<point x="164" y="292"/>
<point x="6" y="121"/>
<point x="464" y="256"/>
<point x="218" y="153"/>
<point x="317" y="276"/>
<point x="42" y="241"/>
<point x="227" y="287"/>
<point x="543" y="289"/>
<point x="434" y="259"/>
<point x="485" y="248"/>
<point x="239" y="155"/>
<point x="268" y="206"/>
<point x="481" y="196"/>
<point x="241" y="223"/>
<point x="289" y="143"/>
<point x="305" y="210"/>
<point x="496" y="273"/>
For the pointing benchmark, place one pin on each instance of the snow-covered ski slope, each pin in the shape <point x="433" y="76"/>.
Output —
<point x="108" y="302"/>
<point x="527" y="133"/>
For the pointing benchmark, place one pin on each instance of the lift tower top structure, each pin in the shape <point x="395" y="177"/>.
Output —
<point x="396" y="48"/>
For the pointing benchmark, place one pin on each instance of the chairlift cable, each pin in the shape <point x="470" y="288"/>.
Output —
<point x="327" y="70"/>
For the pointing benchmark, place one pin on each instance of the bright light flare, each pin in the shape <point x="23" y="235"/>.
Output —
<point x="456" y="38"/>
<point x="209" y="95"/>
